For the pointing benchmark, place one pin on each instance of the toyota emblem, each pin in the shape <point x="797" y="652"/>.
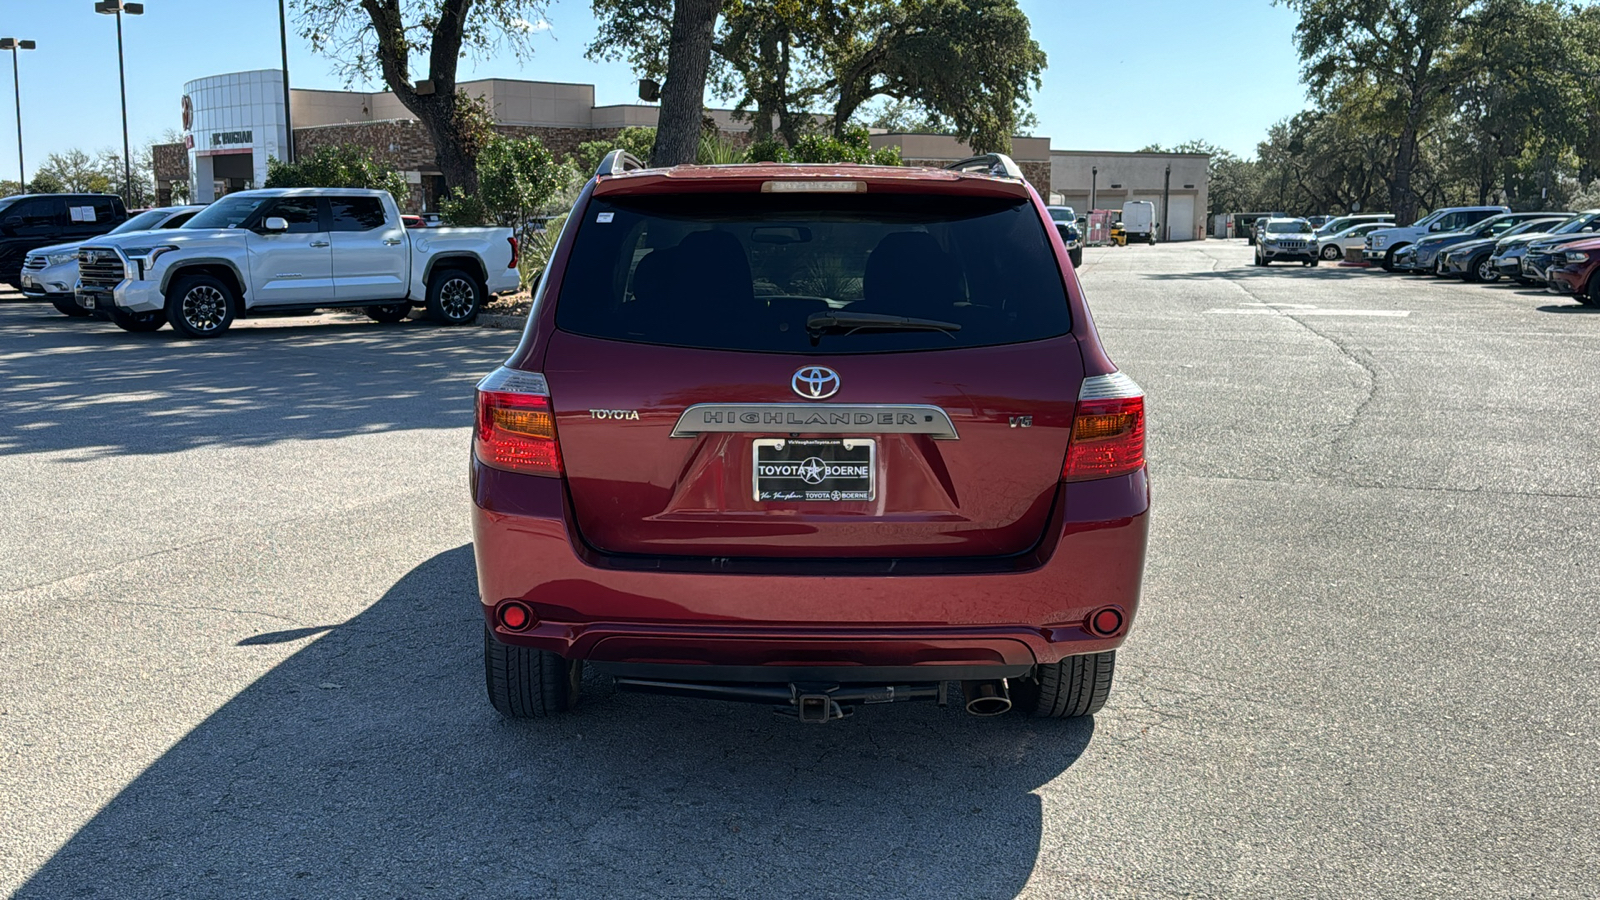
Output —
<point x="815" y="382"/>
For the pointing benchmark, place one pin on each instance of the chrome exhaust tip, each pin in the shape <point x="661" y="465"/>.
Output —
<point x="986" y="698"/>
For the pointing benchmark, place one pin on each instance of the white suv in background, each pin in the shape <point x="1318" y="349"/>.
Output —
<point x="1286" y="240"/>
<point x="51" y="273"/>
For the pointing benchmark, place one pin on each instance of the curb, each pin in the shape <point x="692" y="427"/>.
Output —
<point x="517" y="322"/>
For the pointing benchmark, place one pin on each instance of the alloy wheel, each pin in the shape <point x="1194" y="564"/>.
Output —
<point x="204" y="307"/>
<point x="457" y="298"/>
<point x="1487" y="271"/>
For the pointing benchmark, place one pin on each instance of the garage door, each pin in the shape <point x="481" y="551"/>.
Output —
<point x="1180" y="220"/>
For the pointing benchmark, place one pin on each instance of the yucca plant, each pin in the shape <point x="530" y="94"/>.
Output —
<point x="716" y="150"/>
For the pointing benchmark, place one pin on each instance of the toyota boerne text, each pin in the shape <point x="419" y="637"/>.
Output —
<point x="813" y="436"/>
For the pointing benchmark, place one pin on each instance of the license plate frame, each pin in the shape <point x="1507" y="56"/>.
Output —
<point x="785" y="470"/>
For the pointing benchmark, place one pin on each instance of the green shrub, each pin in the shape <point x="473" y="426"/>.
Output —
<point x="855" y="147"/>
<point x="346" y="166"/>
<point x="462" y="209"/>
<point x="641" y="142"/>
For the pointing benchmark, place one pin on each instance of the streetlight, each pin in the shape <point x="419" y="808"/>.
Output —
<point x="117" y="8"/>
<point x="283" y="40"/>
<point x="14" y="45"/>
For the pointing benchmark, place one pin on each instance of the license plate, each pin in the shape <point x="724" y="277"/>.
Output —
<point x="807" y="469"/>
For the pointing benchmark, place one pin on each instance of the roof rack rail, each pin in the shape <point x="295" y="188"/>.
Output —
<point x="617" y="162"/>
<point x="997" y="164"/>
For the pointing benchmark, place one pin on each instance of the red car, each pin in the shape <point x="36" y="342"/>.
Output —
<point x="1577" y="272"/>
<point x="814" y="436"/>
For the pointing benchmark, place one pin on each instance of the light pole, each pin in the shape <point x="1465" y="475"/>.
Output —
<point x="283" y="41"/>
<point x="1166" y="198"/>
<point x="117" y="8"/>
<point x="14" y="45"/>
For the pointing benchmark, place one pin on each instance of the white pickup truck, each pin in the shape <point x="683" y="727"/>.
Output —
<point x="292" y="250"/>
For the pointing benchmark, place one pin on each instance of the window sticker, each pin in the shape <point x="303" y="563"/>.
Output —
<point x="604" y="217"/>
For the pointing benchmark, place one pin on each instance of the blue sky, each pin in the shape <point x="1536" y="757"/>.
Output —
<point x="1122" y="74"/>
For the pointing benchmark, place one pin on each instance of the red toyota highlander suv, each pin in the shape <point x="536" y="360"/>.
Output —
<point x="812" y="436"/>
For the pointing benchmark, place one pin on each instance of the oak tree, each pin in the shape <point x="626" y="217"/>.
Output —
<point x="390" y="38"/>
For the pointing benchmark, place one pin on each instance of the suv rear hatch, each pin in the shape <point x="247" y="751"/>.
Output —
<point x="812" y="373"/>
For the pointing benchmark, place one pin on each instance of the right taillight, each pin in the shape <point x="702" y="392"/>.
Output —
<point x="1108" y="430"/>
<point x="516" y="428"/>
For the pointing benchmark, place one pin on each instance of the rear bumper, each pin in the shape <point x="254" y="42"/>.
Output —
<point x="706" y="617"/>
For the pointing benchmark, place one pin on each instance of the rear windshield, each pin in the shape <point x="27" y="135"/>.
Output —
<point x="747" y="271"/>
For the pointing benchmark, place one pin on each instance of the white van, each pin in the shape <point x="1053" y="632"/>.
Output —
<point x="1139" y="221"/>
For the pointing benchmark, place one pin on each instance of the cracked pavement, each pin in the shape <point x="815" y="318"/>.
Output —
<point x="239" y="654"/>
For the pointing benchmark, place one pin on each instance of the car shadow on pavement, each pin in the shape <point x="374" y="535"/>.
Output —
<point x="1576" y="307"/>
<point x="90" y="387"/>
<point x="369" y="764"/>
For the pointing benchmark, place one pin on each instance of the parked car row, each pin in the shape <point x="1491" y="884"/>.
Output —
<point x="271" y="252"/>
<point x="1552" y="249"/>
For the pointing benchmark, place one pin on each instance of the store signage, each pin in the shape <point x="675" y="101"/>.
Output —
<point x="223" y="138"/>
<point x="188" y="113"/>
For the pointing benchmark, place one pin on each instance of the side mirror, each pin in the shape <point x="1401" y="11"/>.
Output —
<point x="275" y="224"/>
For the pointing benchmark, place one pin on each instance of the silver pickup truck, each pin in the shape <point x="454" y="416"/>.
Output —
<point x="278" y="251"/>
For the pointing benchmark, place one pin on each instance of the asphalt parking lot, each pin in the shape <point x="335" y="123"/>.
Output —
<point x="239" y="654"/>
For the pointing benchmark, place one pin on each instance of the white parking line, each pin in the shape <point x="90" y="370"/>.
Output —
<point x="1391" y="313"/>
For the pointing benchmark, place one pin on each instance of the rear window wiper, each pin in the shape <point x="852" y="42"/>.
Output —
<point x="820" y="323"/>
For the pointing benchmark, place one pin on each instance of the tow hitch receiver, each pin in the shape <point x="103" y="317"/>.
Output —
<point x="814" y="706"/>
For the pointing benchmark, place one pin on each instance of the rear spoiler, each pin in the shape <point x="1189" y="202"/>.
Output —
<point x="616" y="162"/>
<point x="996" y="164"/>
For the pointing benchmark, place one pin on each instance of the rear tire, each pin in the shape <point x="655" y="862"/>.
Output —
<point x="1313" y="263"/>
<point x="1076" y="686"/>
<point x="1482" y="270"/>
<point x="1331" y="252"/>
<point x="454" y="297"/>
<point x="394" y="312"/>
<point x="524" y="683"/>
<point x="137" y="322"/>
<point x="1076" y="256"/>
<point x="200" y="306"/>
<point x="69" y="307"/>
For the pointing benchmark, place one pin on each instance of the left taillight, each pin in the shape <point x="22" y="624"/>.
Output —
<point x="1107" y="431"/>
<point x="516" y="248"/>
<point x="516" y="427"/>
